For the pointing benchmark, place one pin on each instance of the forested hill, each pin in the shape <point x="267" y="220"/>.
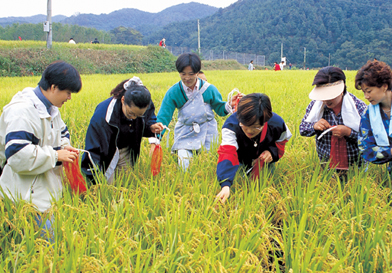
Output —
<point x="29" y="20"/>
<point x="144" y="22"/>
<point x="352" y="31"/>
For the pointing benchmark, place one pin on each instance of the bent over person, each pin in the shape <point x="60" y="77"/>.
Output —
<point x="253" y="137"/>
<point x="34" y="140"/>
<point x="334" y="116"/>
<point x="116" y="129"/>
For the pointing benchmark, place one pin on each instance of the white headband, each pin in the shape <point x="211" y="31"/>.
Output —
<point x="134" y="79"/>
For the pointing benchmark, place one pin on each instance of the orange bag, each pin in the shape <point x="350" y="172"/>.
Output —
<point x="156" y="160"/>
<point x="74" y="176"/>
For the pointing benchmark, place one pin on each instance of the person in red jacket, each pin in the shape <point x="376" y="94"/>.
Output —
<point x="162" y="43"/>
<point x="276" y="66"/>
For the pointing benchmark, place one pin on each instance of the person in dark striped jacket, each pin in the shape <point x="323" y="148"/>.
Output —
<point x="253" y="137"/>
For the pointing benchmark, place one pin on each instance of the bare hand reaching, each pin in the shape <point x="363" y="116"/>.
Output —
<point x="223" y="194"/>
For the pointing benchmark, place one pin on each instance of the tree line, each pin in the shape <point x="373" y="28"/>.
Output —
<point x="63" y="32"/>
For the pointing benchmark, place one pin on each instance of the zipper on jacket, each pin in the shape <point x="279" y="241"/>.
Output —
<point x="32" y="185"/>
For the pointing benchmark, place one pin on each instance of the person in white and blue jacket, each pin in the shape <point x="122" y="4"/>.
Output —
<point x="116" y="129"/>
<point x="195" y="100"/>
<point x="375" y="134"/>
<point x="34" y="140"/>
<point x="252" y="136"/>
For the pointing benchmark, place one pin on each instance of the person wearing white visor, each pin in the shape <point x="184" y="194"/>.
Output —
<point x="334" y="116"/>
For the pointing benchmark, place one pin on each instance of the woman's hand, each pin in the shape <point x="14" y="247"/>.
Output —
<point x="152" y="148"/>
<point x="321" y="125"/>
<point x="68" y="154"/>
<point x="223" y="194"/>
<point x="341" y="131"/>
<point x="71" y="149"/>
<point x="266" y="156"/>
<point x="157" y="128"/>
<point x="234" y="99"/>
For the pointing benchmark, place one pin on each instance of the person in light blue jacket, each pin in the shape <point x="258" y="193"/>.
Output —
<point x="250" y="66"/>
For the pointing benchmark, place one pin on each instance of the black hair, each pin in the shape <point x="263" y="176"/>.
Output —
<point x="136" y="94"/>
<point x="254" y="107"/>
<point x="188" y="59"/>
<point x="330" y="74"/>
<point x="62" y="75"/>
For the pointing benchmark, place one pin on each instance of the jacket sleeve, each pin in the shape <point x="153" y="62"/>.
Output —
<point x="23" y="153"/>
<point x="216" y="101"/>
<point x="277" y="150"/>
<point x="307" y="128"/>
<point x="166" y="111"/>
<point x="65" y="137"/>
<point x="96" y="133"/>
<point x="150" y="119"/>
<point x="228" y="163"/>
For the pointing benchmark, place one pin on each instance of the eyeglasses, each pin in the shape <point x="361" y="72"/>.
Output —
<point x="129" y="114"/>
<point x="255" y="129"/>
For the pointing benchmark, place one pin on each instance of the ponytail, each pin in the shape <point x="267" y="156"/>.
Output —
<point x="133" y="91"/>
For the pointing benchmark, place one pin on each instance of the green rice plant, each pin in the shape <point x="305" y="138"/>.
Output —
<point x="301" y="218"/>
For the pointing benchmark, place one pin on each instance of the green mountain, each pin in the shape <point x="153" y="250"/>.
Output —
<point x="40" y="18"/>
<point x="345" y="32"/>
<point x="144" y="22"/>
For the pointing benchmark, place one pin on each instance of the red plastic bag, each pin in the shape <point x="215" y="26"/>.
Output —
<point x="236" y="105"/>
<point x="74" y="176"/>
<point x="338" y="154"/>
<point x="258" y="165"/>
<point x="156" y="160"/>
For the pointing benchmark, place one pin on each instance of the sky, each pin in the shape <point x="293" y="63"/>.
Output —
<point x="16" y="8"/>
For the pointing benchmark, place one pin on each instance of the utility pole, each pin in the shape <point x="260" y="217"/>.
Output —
<point x="304" y="58"/>
<point x="198" y="35"/>
<point x="329" y="59"/>
<point x="49" y="21"/>
<point x="281" y="51"/>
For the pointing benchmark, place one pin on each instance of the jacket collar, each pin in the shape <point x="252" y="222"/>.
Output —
<point x="39" y="105"/>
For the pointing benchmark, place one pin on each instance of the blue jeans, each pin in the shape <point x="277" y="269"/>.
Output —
<point x="46" y="227"/>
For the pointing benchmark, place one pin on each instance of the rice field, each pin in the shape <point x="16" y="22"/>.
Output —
<point x="300" y="219"/>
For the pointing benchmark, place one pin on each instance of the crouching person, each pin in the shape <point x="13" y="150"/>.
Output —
<point x="34" y="140"/>
<point x="254" y="136"/>
<point x="116" y="129"/>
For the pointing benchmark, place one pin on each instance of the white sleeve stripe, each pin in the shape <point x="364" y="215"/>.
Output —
<point x="285" y="135"/>
<point x="17" y="141"/>
<point x="229" y="138"/>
